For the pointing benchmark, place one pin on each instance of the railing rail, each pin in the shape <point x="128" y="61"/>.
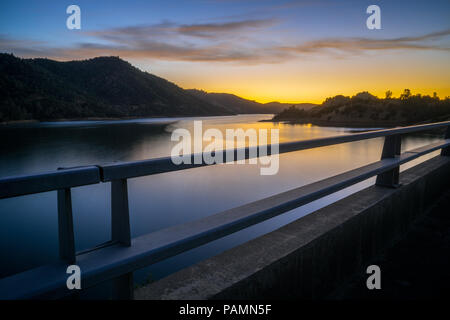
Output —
<point x="117" y="259"/>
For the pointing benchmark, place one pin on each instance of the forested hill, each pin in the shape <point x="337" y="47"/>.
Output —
<point x="367" y="110"/>
<point x="100" y="87"/>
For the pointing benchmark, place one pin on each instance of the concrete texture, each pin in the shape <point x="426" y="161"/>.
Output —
<point x="311" y="257"/>
<point x="416" y="267"/>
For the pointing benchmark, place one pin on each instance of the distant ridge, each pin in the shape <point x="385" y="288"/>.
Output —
<point x="237" y="104"/>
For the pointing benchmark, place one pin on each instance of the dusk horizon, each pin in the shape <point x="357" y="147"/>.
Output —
<point x="270" y="100"/>
<point x="291" y="51"/>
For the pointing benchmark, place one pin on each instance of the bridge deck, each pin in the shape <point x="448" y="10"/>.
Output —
<point x="312" y="256"/>
<point x="416" y="267"/>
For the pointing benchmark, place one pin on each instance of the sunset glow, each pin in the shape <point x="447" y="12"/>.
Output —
<point x="291" y="51"/>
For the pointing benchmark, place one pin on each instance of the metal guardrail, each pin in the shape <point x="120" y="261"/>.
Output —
<point x="117" y="259"/>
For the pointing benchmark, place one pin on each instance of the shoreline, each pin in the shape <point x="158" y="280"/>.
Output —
<point x="70" y="119"/>
<point x="122" y="118"/>
<point x="91" y="119"/>
<point x="370" y="126"/>
<point x="351" y="124"/>
<point x="340" y="124"/>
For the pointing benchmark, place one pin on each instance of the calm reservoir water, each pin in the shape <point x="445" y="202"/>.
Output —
<point x="28" y="224"/>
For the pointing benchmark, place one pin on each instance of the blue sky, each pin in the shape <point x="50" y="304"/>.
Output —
<point x="204" y="43"/>
<point x="44" y="19"/>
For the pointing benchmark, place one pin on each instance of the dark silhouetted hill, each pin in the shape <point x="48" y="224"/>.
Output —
<point x="282" y="106"/>
<point x="100" y="87"/>
<point x="364" y="109"/>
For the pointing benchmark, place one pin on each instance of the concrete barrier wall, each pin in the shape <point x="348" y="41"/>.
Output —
<point x="311" y="256"/>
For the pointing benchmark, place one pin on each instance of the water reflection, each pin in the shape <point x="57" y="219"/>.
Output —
<point x="28" y="225"/>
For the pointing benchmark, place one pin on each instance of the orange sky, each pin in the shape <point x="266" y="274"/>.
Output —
<point x="274" y="50"/>
<point x="316" y="78"/>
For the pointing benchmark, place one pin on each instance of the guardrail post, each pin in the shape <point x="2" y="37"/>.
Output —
<point x="120" y="232"/>
<point x="120" y="216"/>
<point x="65" y="226"/>
<point x="391" y="149"/>
<point x="446" y="151"/>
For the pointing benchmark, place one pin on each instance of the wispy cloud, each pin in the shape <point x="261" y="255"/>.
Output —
<point x="356" y="45"/>
<point x="219" y="31"/>
<point x="214" y="29"/>
<point x="215" y="42"/>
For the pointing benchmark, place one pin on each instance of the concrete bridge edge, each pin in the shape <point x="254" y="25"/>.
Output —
<point x="311" y="256"/>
